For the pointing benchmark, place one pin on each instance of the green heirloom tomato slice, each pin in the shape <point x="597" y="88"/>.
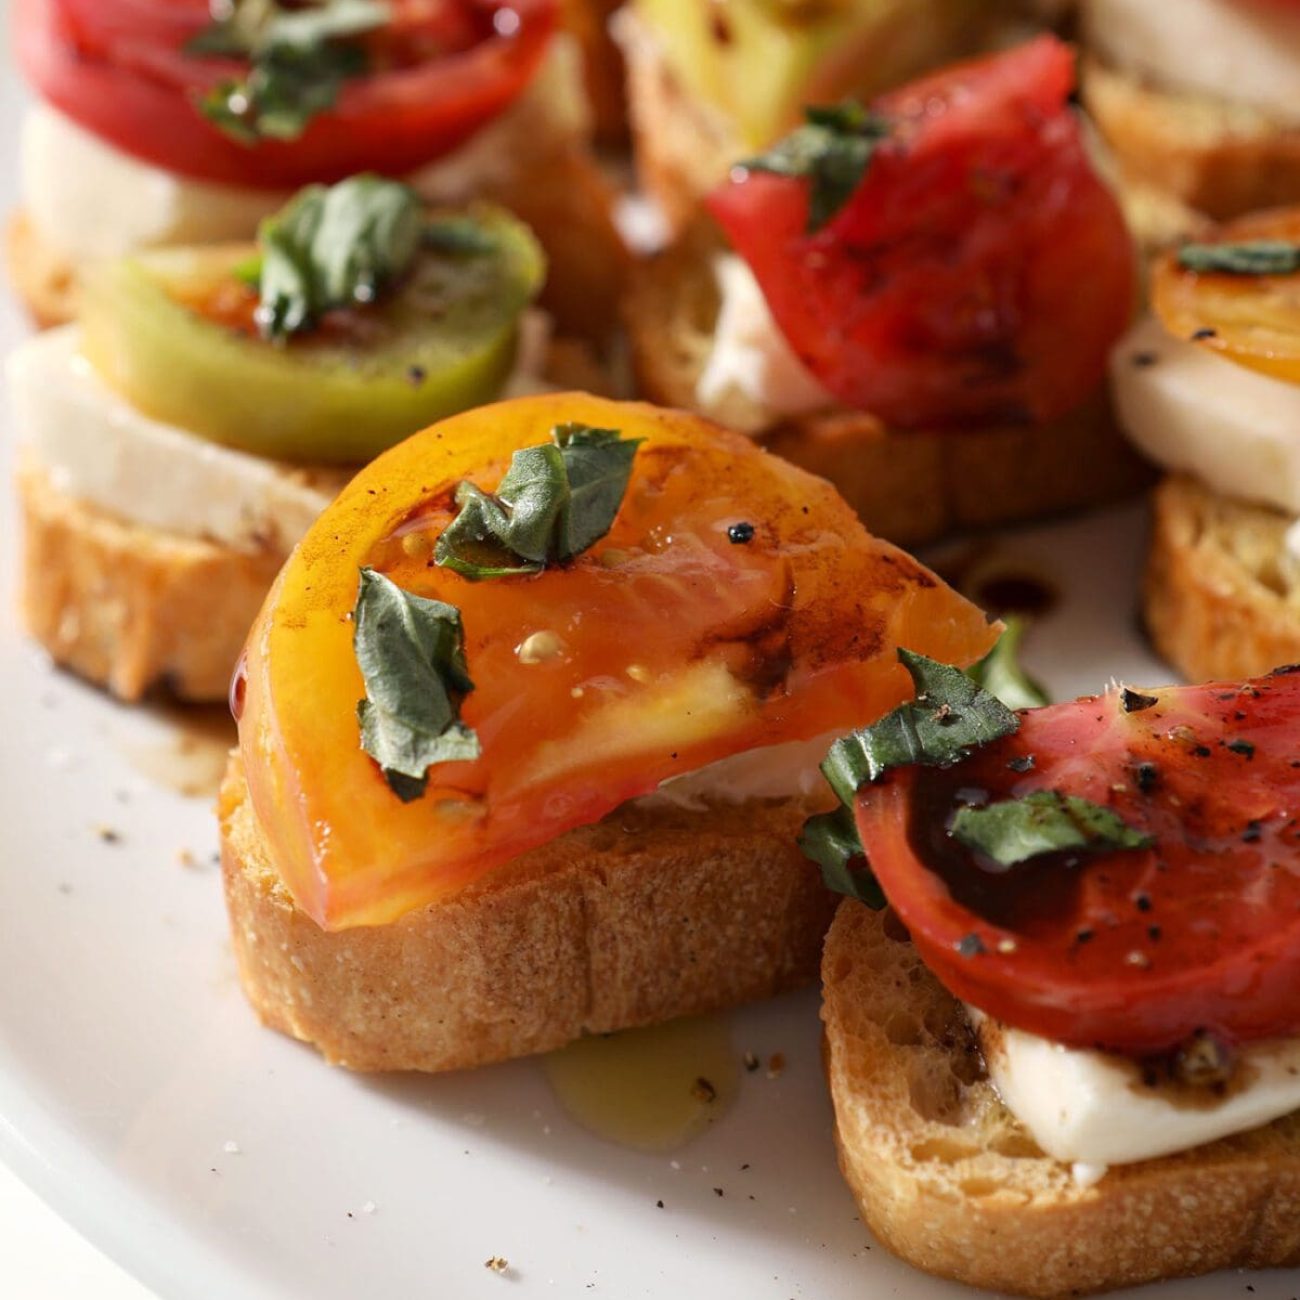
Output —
<point x="173" y="332"/>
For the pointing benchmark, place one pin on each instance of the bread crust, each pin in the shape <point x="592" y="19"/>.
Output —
<point x="949" y="1180"/>
<point x="602" y="65"/>
<point x="1217" y="158"/>
<point x="909" y="486"/>
<point x="45" y="281"/>
<point x="130" y="608"/>
<point x="682" y="146"/>
<point x="642" y="917"/>
<point x="1222" y="592"/>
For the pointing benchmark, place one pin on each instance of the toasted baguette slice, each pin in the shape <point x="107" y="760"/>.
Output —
<point x="44" y="280"/>
<point x="682" y="146"/>
<point x="133" y="608"/>
<point x="1222" y="590"/>
<point x="647" y="915"/>
<point x="602" y="65"/>
<point x="909" y="486"/>
<point x="947" y="1178"/>
<point x="1218" y="158"/>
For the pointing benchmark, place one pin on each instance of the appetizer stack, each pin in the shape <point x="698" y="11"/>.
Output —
<point x="536" y="688"/>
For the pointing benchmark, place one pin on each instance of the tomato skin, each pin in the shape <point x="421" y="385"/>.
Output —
<point x="980" y="272"/>
<point x="674" y="647"/>
<point x="119" y="70"/>
<point x="1201" y="932"/>
<point x="1252" y="320"/>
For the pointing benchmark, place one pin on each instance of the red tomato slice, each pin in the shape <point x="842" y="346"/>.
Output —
<point x="670" y="646"/>
<point x="1132" y="951"/>
<point x="980" y="272"/>
<point x="120" y="70"/>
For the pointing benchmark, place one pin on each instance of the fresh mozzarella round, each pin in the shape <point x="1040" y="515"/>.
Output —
<point x="1093" y="1109"/>
<point x="750" y="355"/>
<point x="98" y="448"/>
<point x="1242" y="53"/>
<point x="1190" y="410"/>
<point x="785" y="771"/>
<point x="87" y="199"/>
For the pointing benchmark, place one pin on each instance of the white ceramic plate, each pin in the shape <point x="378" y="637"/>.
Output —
<point x="140" y="1097"/>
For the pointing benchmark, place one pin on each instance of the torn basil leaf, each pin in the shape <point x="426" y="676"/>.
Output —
<point x="334" y="246"/>
<point x="1252" y="257"/>
<point x="411" y="652"/>
<point x="831" y="841"/>
<point x="454" y="235"/>
<point x="950" y="716"/>
<point x="554" y="502"/>
<point x="1046" y="821"/>
<point x="833" y="149"/>
<point x="1000" y="673"/>
<point x="298" y="60"/>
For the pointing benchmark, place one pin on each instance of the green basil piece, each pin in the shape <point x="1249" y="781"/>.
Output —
<point x="334" y="246"/>
<point x="833" y="150"/>
<point x="411" y="652"/>
<point x="950" y="716"/>
<point x="831" y="841"/>
<point x="554" y="502"/>
<point x="1000" y="673"/>
<point x="1017" y="830"/>
<point x="298" y="59"/>
<point x="1252" y="257"/>
<point x="457" y="235"/>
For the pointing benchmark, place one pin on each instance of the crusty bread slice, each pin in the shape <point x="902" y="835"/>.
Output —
<point x="909" y="486"/>
<point x="1222" y="589"/>
<point x="647" y="915"/>
<point x="602" y="65"/>
<point x="45" y="281"/>
<point x="1218" y="158"/>
<point x="132" y="608"/>
<point x="567" y="199"/>
<point x="947" y="1178"/>
<point x="682" y="147"/>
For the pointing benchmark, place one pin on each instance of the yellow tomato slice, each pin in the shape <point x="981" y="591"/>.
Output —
<point x="662" y="648"/>
<point x="1253" y="320"/>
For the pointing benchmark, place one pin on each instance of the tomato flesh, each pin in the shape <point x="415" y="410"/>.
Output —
<point x="979" y="273"/>
<point x="1253" y="320"/>
<point x="441" y="71"/>
<point x="1134" y="951"/>
<point x="670" y="646"/>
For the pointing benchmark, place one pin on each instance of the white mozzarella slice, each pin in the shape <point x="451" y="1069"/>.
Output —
<point x="98" y="448"/>
<point x="1240" y="53"/>
<point x="789" y="770"/>
<point x="750" y="354"/>
<point x="88" y="199"/>
<point x="1190" y="410"/>
<point x="1093" y="1109"/>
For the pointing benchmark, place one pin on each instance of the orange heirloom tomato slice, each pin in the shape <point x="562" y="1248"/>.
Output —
<point x="1253" y="320"/>
<point x="1134" y="951"/>
<point x="663" y="647"/>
